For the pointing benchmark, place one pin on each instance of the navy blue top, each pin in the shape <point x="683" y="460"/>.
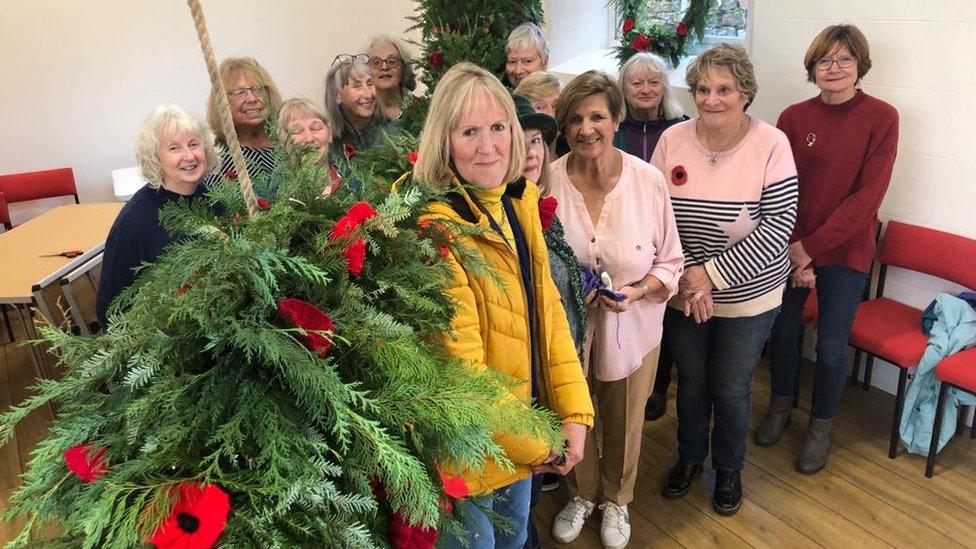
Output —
<point x="136" y="237"/>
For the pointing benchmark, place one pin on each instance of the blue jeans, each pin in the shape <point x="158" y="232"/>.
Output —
<point x="839" y="290"/>
<point x="510" y="503"/>
<point x="715" y="361"/>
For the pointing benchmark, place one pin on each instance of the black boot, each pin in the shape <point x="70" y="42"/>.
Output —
<point x="728" y="492"/>
<point x="655" y="407"/>
<point x="679" y="478"/>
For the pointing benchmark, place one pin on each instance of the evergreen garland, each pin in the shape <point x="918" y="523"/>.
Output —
<point x="203" y="398"/>
<point x="670" y="42"/>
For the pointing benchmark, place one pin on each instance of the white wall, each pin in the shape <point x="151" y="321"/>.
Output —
<point x="924" y="65"/>
<point x="77" y="79"/>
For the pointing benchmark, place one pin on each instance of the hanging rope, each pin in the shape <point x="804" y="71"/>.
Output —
<point x="223" y="108"/>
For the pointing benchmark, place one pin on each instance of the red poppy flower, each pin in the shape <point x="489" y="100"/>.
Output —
<point x="348" y="150"/>
<point x="197" y="520"/>
<point x="403" y="535"/>
<point x="308" y="317"/>
<point x="679" y="175"/>
<point x="412" y="157"/>
<point x="263" y="203"/>
<point x="360" y="212"/>
<point x="436" y="59"/>
<point x="87" y="465"/>
<point x="343" y="227"/>
<point x="641" y="43"/>
<point x="355" y="256"/>
<point x="454" y="487"/>
<point x="547" y="211"/>
<point x="628" y="25"/>
<point x="681" y="29"/>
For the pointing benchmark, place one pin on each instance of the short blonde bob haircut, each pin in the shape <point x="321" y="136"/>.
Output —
<point x="583" y="86"/>
<point x="832" y="37"/>
<point x="408" y="80"/>
<point x="647" y="63"/>
<point x="229" y="69"/>
<point x="539" y="85"/>
<point x="165" y="121"/>
<point x="293" y="106"/>
<point x="527" y="36"/>
<point x="732" y="58"/>
<point x="454" y="92"/>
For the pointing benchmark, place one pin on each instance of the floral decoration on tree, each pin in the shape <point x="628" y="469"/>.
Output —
<point x="668" y="41"/>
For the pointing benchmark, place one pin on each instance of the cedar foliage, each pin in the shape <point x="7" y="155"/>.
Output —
<point x="198" y="378"/>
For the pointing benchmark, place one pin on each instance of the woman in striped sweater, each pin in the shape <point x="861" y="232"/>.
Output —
<point x="733" y="188"/>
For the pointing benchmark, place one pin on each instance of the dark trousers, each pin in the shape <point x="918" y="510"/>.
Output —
<point x="533" y="541"/>
<point x="662" y="379"/>
<point x="839" y="290"/>
<point x="715" y="361"/>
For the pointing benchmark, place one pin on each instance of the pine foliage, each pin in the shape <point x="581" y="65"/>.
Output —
<point x="199" y="378"/>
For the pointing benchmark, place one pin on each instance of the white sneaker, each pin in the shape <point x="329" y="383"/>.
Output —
<point x="615" y="527"/>
<point x="569" y="522"/>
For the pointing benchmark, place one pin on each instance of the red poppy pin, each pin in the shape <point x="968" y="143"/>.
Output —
<point x="679" y="175"/>
<point x="197" y="520"/>
<point x="681" y="29"/>
<point x="86" y="464"/>
<point x="310" y="318"/>
<point x="641" y="43"/>
<point x="628" y="25"/>
<point x="547" y="211"/>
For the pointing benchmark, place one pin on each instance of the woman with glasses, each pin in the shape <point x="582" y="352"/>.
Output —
<point x="844" y="142"/>
<point x="350" y="102"/>
<point x="392" y="74"/>
<point x="252" y="96"/>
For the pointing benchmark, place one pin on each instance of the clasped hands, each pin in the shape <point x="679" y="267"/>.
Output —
<point x="696" y="288"/>
<point x="801" y="267"/>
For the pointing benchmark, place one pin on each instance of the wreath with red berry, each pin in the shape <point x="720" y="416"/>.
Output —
<point x="669" y="41"/>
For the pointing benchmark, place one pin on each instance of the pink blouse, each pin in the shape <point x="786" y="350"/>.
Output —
<point x="634" y="236"/>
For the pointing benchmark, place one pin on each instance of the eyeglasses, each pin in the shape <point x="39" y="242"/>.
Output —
<point x="350" y="58"/>
<point x="238" y="94"/>
<point x="391" y="62"/>
<point x="845" y="62"/>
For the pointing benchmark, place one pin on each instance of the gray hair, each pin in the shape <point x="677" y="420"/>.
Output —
<point x="166" y="120"/>
<point x="408" y="80"/>
<point x="646" y="62"/>
<point x="525" y="36"/>
<point x="338" y="77"/>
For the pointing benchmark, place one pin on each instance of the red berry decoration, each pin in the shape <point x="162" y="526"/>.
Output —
<point x="679" y="176"/>
<point x="355" y="256"/>
<point x="310" y="318"/>
<point x="348" y="150"/>
<point x="628" y="25"/>
<point x="681" y="29"/>
<point x="412" y="157"/>
<point x="641" y="43"/>
<point x="360" y="212"/>
<point x="197" y="520"/>
<point x="87" y="465"/>
<point x="436" y="59"/>
<point x="263" y="203"/>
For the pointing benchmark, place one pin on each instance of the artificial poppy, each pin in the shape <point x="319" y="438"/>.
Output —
<point x="641" y="43"/>
<point x="360" y="212"/>
<point x="436" y="59"/>
<point x="628" y="25"/>
<point x="681" y="29"/>
<point x="412" y="157"/>
<point x="355" y="255"/>
<point x="547" y="211"/>
<point x="403" y="535"/>
<point x="87" y="465"/>
<point x="679" y="175"/>
<point x="263" y="203"/>
<point x="198" y="518"/>
<point x="310" y="318"/>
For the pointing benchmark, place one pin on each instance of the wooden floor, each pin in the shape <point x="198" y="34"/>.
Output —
<point x="861" y="499"/>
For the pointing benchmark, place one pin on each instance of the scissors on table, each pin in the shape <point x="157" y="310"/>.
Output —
<point x="68" y="254"/>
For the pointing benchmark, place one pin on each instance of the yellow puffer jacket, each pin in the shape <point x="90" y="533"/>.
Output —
<point x="491" y="327"/>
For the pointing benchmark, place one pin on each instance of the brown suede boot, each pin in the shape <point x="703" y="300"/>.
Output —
<point x="813" y="456"/>
<point x="775" y="421"/>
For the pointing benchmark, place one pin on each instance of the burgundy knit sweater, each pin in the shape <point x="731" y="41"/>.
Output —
<point x="844" y="156"/>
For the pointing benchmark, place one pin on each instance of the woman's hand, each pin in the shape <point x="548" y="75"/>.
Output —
<point x="699" y="305"/>
<point x="799" y="259"/>
<point x="805" y="278"/>
<point x="631" y="294"/>
<point x="575" y="435"/>
<point x="695" y="279"/>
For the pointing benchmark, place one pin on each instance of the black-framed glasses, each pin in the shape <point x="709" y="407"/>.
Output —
<point x="240" y="93"/>
<point x="350" y="58"/>
<point x="843" y="62"/>
<point x="391" y="62"/>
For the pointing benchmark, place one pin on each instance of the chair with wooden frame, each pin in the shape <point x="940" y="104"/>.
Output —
<point x="891" y="330"/>
<point x="957" y="371"/>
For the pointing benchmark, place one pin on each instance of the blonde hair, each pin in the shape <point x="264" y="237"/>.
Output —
<point x="839" y="35"/>
<point x="543" y="182"/>
<point x="525" y="36"/>
<point x="408" y="80"/>
<point x="583" y="86"/>
<point x="730" y="57"/>
<point x="168" y="120"/>
<point x="452" y="94"/>
<point x="539" y="85"/>
<point x="231" y="67"/>
<point x="293" y="106"/>
<point x="646" y="62"/>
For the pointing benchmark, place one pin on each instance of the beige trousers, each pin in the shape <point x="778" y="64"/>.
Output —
<point x="619" y="422"/>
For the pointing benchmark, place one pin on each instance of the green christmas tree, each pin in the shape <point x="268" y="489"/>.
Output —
<point x="270" y="381"/>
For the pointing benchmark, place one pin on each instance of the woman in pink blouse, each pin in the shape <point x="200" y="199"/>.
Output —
<point x="618" y="220"/>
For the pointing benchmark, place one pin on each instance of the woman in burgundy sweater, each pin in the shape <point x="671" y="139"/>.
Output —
<point x="844" y="143"/>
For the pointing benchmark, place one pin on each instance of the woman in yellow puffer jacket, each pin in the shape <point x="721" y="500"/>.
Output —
<point x="472" y="139"/>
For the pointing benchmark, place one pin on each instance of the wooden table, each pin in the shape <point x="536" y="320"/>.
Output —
<point x="25" y="273"/>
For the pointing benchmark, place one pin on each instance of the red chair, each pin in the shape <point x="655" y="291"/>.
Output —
<point x="956" y="371"/>
<point x="4" y="212"/>
<point x="892" y="330"/>
<point x="23" y="187"/>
